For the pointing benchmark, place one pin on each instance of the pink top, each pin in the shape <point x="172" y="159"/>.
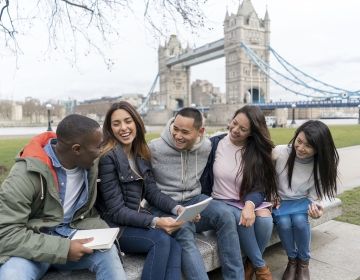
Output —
<point x="226" y="165"/>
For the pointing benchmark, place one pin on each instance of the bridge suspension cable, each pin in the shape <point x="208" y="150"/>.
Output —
<point x="144" y="106"/>
<point x="294" y="82"/>
<point x="297" y="73"/>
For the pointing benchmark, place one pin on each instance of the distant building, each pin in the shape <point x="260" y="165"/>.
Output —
<point x="203" y="93"/>
<point x="16" y="112"/>
<point x="135" y="99"/>
<point x="97" y="108"/>
<point x="5" y="110"/>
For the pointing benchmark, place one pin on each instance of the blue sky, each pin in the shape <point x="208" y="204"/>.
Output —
<point x="320" y="37"/>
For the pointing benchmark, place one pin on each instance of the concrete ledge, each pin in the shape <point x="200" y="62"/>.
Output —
<point x="207" y="245"/>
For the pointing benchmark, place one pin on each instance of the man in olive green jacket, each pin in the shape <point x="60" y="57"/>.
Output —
<point x="49" y="193"/>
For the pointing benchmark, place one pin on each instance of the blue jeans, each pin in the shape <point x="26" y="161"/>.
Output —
<point x="295" y="235"/>
<point x="216" y="217"/>
<point x="163" y="260"/>
<point x="106" y="265"/>
<point x="253" y="240"/>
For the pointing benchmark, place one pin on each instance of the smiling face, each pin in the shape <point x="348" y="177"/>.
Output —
<point x="302" y="148"/>
<point x="239" y="129"/>
<point x="184" y="133"/>
<point x="123" y="127"/>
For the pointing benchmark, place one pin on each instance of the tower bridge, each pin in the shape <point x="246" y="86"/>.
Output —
<point x="246" y="48"/>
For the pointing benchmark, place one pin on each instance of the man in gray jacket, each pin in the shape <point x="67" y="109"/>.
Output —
<point x="179" y="158"/>
<point x="49" y="193"/>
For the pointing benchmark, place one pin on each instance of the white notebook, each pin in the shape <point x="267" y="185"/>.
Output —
<point x="103" y="238"/>
<point x="192" y="210"/>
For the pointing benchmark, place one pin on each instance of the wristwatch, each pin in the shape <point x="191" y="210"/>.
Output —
<point x="153" y="222"/>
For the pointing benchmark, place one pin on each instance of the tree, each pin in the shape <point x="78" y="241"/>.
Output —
<point x="92" y="21"/>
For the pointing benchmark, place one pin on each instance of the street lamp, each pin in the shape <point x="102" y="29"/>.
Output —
<point x="359" y="114"/>
<point x="293" y="106"/>
<point x="48" y="108"/>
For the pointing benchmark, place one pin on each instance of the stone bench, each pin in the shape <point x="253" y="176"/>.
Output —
<point x="207" y="245"/>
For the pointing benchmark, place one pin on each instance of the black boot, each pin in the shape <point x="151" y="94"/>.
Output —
<point x="290" y="271"/>
<point x="302" y="270"/>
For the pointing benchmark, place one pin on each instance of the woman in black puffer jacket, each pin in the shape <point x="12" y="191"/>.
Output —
<point x="125" y="180"/>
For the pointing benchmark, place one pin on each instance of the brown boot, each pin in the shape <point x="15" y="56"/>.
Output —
<point x="302" y="270"/>
<point x="263" y="273"/>
<point x="290" y="271"/>
<point x="249" y="270"/>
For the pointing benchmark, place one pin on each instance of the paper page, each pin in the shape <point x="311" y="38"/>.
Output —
<point x="192" y="210"/>
<point x="103" y="238"/>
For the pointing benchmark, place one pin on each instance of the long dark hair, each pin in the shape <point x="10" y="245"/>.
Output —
<point x="258" y="167"/>
<point x="139" y="146"/>
<point x="326" y="157"/>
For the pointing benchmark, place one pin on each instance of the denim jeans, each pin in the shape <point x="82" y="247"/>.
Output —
<point x="106" y="265"/>
<point x="216" y="216"/>
<point x="163" y="259"/>
<point x="253" y="240"/>
<point x="295" y="235"/>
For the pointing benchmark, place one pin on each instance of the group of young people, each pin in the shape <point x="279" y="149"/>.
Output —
<point x="82" y="178"/>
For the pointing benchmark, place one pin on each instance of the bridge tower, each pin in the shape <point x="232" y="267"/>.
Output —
<point x="244" y="81"/>
<point x="174" y="80"/>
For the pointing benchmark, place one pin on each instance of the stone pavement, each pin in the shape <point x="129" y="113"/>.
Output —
<point x="335" y="246"/>
<point x="335" y="253"/>
<point x="349" y="168"/>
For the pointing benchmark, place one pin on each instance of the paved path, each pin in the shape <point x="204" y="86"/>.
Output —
<point x="349" y="168"/>
<point x="335" y="253"/>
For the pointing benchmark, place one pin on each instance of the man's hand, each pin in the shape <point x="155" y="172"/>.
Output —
<point x="77" y="249"/>
<point x="247" y="217"/>
<point x="182" y="209"/>
<point x="197" y="218"/>
<point x="168" y="224"/>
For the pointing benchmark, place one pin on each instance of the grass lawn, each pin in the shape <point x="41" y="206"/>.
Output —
<point x="8" y="150"/>
<point x="343" y="135"/>
<point x="350" y="206"/>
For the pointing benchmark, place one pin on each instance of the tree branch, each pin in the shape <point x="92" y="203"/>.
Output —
<point x="6" y="6"/>
<point x="79" y="6"/>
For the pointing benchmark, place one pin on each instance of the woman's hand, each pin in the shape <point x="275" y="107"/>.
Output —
<point x="315" y="211"/>
<point x="276" y="203"/>
<point x="247" y="217"/>
<point x="168" y="224"/>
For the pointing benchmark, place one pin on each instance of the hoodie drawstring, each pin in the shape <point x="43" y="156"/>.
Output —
<point x="196" y="167"/>
<point x="42" y="187"/>
<point x="182" y="168"/>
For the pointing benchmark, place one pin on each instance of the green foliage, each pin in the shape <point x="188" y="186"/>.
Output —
<point x="350" y="206"/>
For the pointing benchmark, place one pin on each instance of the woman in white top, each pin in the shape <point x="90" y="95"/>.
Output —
<point x="306" y="172"/>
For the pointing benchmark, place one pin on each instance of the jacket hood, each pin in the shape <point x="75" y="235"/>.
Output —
<point x="167" y="137"/>
<point x="35" y="149"/>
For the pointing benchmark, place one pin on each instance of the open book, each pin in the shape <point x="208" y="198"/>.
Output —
<point x="192" y="210"/>
<point x="103" y="238"/>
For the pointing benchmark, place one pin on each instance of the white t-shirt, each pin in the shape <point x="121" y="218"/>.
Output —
<point x="74" y="182"/>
